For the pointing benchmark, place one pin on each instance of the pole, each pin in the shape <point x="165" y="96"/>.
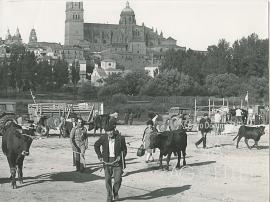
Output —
<point x="33" y="97"/>
<point x="222" y="101"/>
<point x="241" y="103"/>
<point x="195" y="112"/>
<point x="209" y="107"/>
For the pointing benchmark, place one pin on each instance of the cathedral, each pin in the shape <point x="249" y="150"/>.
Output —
<point x="131" y="45"/>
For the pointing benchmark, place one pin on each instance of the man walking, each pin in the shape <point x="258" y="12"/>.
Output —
<point x="113" y="154"/>
<point x="79" y="142"/>
<point x="204" y="127"/>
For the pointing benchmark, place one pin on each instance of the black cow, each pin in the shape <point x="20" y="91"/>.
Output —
<point x="15" y="145"/>
<point x="254" y="133"/>
<point x="100" y="122"/>
<point x="168" y="142"/>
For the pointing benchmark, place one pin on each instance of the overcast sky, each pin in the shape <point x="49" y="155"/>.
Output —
<point x="195" y="24"/>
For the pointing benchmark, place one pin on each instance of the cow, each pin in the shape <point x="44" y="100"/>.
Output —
<point x="100" y="122"/>
<point x="254" y="133"/>
<point x="169" y="142"/>
<point x="16" y="142"/>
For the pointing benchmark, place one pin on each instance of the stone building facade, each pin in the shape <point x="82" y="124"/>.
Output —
<point x="128" y="43"/>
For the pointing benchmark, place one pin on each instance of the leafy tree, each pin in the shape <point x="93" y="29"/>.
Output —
<point x="75" y="74"/>
<point x="60" y="73"/>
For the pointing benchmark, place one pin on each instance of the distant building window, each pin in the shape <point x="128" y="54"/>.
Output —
<point x="109" y="64"/>
<point x="137" y="51"/>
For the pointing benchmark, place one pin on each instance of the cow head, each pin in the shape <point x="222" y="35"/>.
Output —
<point x="155" y="139"/>
<point x="26" y="142"/>
<point x="261" y="130"/>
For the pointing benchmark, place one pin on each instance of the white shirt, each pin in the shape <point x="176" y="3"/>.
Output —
<point x="111" y="147"/>
<point x="238" y="112"/>
<point x="250" y="112"/>
<point x="217" y="118"/>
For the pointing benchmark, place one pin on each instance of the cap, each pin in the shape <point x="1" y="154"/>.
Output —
<point x="110" y="126"/>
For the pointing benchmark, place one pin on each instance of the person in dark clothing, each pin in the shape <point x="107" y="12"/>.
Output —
<point x="204" y="127"/>
<point x="113" y="154"/>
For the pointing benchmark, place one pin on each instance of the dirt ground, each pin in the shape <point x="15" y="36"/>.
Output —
<point x="219" y="173"/>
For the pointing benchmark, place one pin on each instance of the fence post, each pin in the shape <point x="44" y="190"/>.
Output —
<point x="209" y="107"/>
<point x="195" y="112"/>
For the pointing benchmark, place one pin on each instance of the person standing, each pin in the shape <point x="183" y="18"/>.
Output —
<point x="130" y="118"/>
<point x="238" y="114"/>
<point x="217" y="121"/>
<point x="126" y="118"/>
<point x="113" y="154"/>
<point x="250" y="115"/>
<point x="79" y="142"/>
<point x="204" y="127"/>
<point x="149" y="130"/>
<point x="62" y="129"/>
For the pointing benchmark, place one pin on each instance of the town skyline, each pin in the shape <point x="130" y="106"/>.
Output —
<point x="188" y="22"/>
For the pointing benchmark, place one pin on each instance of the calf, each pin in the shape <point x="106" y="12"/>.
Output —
<point x="168" y="142"/>
<point x="254" y="133"/>
<point x="15" y="145"/>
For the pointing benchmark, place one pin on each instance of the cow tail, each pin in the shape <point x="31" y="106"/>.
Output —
<point x="235" y="137"/>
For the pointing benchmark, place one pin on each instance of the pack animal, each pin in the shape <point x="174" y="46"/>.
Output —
<point x="254" y="133"/>
<point x="169" y="142"/>
<point x="16" y="143"/>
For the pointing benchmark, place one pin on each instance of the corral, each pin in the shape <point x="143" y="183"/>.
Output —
<point x="219" y="173"/>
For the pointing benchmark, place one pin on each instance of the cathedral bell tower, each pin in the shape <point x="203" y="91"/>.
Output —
<point x="74" y="23"/>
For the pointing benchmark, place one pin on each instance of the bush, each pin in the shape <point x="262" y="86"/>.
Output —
<point x="119" y="99"/>
<point x="87" y="91"/>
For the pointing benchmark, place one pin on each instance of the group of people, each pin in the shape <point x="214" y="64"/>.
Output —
<point x="111" y="151"/>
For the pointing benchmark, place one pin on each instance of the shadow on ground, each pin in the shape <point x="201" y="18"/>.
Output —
<point x="72" y="176"/>
<point x="163" y="192"/>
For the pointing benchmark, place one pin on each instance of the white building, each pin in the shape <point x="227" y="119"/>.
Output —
<point x="108" y="64"/>
<point x="152" y="71"/>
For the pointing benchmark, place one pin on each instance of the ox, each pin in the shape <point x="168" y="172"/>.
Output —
<point x="15" y="145"/>
<point x="254" y="133"/>
<point x="168" y="142"/>
<point x="100" y="122"/>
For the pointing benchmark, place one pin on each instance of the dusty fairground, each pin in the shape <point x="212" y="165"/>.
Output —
<point x="219" y="173"/>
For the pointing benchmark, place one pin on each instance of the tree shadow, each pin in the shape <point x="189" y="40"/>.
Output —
<point x="162" y="192"/>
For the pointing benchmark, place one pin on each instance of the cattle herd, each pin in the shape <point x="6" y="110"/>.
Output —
<point x="16" y="142"/>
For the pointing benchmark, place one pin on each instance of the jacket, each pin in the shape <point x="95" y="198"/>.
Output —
<point x="120" y="146"/>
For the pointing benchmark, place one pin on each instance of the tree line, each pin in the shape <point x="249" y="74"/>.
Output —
<point x="221" y="71"/>
<point x="22" y="72"/>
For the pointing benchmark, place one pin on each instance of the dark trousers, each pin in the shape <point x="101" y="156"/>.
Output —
<point x="116" y="171"/>
<point x="203" y="139"/>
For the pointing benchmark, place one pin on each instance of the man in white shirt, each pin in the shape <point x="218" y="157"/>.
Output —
<point x="250" y="115"/>
<point x="113" y="154"/>
<point x="217" y="120"/>
<point x="238" y="114"/>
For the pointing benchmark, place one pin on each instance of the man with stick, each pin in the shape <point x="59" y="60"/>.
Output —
<point x="113" y="154"/>
<point x="79" y="142"/>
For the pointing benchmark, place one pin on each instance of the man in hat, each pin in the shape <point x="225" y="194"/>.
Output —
<point x="204" y="127"/>
<point x="114" y="150"/>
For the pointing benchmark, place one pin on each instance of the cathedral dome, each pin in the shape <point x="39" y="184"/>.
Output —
<point x="127" y="10"/>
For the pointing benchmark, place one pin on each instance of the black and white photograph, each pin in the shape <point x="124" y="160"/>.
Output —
<point x="134" y="100"/>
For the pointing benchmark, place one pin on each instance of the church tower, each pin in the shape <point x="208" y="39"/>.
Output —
<point x="74" y="23"/>
<point x="32" y="37"/>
